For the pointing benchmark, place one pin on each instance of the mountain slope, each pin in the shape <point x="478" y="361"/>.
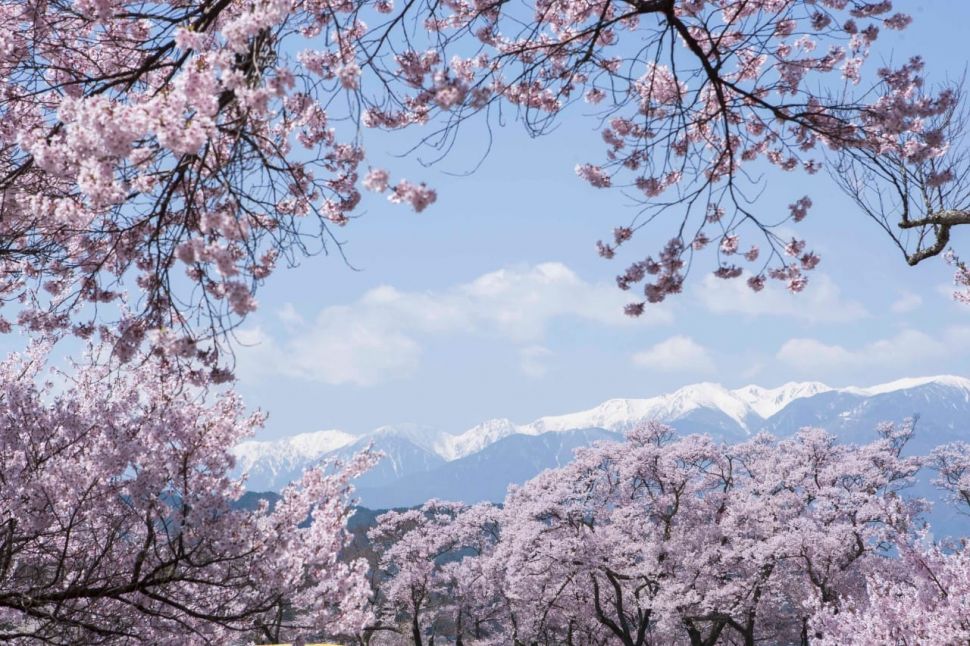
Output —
<point x="486" y="474"/>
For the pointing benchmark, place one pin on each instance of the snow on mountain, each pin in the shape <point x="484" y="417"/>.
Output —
<point x="304" y="445"/>
<point x="616" y="415"/>
<point x="454" y="447"/>
<point x="426" y="437"/>
<point x="622" y="414"/>
<point x="275" y="462"/>
<point x="417" y="449"/>
<point x="950" y="381"/>
<point x="402" y="455"/>
<point x="768" y="401"/>
<point x="610" y="415"/>
<point x="739" y="405"/>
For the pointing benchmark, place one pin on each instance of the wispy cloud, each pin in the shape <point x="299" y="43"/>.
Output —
<point x="679" y="354"/>
<point x="907" y="302"/>
<point x="380" y="336"/>
<point x="533" y="361"/>
<point x="909" y="350"/>
<point x="822" y="300"/>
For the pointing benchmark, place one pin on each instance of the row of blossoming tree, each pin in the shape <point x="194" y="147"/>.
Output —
<point x="119" y="526"/>
<point x="664" y="540"/>
<point x="159" y="159"/>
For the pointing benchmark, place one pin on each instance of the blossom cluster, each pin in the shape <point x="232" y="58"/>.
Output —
<point x="158" y="163"/>
<point x="666" y="539"/>
<point x="121" y="518"/>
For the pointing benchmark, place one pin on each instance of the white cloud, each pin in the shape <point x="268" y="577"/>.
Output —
<point x="822" y="300"/>
<point x="289" y="316"/>
<point x="379" y="337"/>
<point x="346" y="354"/>
<point x="676" y="354"/>
<point x="532" y="361"/>
<point x="752" y="371"/>
<point x="910" y="350"/>
<point x="813" y="355"/>
<point x="907" y="302"/>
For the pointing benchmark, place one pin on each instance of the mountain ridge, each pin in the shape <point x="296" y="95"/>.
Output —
<point x="751" y="404"/>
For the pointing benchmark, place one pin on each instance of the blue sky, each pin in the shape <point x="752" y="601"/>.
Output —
<point x="493" y="302"/>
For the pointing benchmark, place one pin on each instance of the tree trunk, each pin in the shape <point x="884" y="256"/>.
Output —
<point x="416" y="630"/>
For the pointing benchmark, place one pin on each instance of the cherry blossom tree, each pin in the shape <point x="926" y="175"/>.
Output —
<point x="430" y="577"/>
<point x="660" y="541"/>
<point x="158" y="160"/>
<point x="118" y="524"/>
<point x="961" y="278"/>
<point x="952" y="464"/>
<point x="924" y="596"/>
<point x="665" y="540"/>
<point x="917" y="197"/>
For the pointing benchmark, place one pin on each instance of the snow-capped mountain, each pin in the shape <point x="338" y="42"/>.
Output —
<point x="751" y="404"/>
<point x="742" y="406"/>
<point x="274" y="464"/>
<point x="768" y="401"/>
<point x="479" y="462"/>
<point x="408" y="449"/>
<point x="946" y="381"/>
<point x="453" y="447"/>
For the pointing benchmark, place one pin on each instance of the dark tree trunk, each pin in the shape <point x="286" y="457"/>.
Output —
<point x="416" y="630"/>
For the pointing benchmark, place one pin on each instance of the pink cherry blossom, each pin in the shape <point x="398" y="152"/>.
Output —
<point x="667" y="539"/>
<point x="120" y="516"/>
<point x="159" y="155"/>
